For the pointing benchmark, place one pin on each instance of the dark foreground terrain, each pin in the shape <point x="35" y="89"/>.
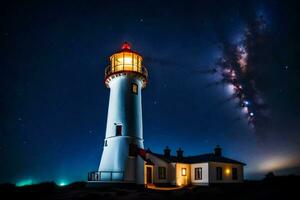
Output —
<point x="287" y="187"/>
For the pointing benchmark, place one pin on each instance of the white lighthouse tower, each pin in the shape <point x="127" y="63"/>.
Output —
<point x="125" y="77"/>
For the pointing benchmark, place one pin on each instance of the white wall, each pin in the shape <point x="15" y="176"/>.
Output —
<point x="172" y="174"/>
<point x="226" y="178"/>
<point x="159" y="163"/>
<point x="140" y="163"/>
<point x="205" y="173"/>
<point x="130" y="169"/>
<point x="125" y="108"/>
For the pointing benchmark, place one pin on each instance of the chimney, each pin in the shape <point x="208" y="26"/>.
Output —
<point x="167" y="152"/>
<point x="218" y="151"/>
<point x="179" y="153"/>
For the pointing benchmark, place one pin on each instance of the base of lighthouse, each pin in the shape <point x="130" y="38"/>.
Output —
<point x="119" y="161"/>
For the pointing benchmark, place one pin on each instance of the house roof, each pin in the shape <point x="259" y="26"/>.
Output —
<point x="142" y="154"/>
<point x="202" y="158"/>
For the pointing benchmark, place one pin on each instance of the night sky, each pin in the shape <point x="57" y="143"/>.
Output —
<point x="54" y="102"/>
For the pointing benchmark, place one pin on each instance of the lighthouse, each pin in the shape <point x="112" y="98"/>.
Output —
<point x="124" y="159"/>
<point x="126" y="78"/>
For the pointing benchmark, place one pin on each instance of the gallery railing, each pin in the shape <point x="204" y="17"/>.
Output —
<point x="106" y="176"/>
<point x="131" y="68"/>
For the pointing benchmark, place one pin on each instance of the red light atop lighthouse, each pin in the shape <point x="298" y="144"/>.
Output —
<point x="125" y="46"/>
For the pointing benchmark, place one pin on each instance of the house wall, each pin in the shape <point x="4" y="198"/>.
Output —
<point x="181" y="179"/>
<point x="140" y="171"/>
<point x="159" y="163"/>
<point x="174" y="174"/>
<point x="130" y="169"/>
<point x="172" y="177"/>
<point x="226" y="177"/>
<point x="205" y="173"/>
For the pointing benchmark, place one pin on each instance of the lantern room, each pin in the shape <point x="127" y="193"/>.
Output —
<point x="126" y="61"/>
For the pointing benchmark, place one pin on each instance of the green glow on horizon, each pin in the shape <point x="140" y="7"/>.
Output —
<point x="62" y="183"/>
<point x="24" y="182"/>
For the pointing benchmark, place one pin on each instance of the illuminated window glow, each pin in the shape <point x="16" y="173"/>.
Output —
<point x="134" y="88"/>
<point x="227" y="171"/>
<point x="183" y="171"/>
<point x="126" y="61"/>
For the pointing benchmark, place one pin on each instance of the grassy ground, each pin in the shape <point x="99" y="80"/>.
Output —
<point x="276" y="187"/>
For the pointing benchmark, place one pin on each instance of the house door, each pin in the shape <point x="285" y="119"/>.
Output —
<point x="149" y="174"/>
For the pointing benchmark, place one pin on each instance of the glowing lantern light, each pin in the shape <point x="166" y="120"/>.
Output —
<point x="126" y="60"/>
<point x="126" y="45"/>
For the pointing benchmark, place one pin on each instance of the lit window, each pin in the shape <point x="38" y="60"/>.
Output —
<point x="219" y="172"/>
<point x="162" y="173"/>
<point x="134" y="88"/>
<point x="183" y="171"/>
<point x="227" y="171"/>
<point x="234" y="174"/>
<point x="118" y="130"/>
<point x="198" y="173"/>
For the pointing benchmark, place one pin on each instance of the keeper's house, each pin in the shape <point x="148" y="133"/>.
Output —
<point x="178" y="170"/>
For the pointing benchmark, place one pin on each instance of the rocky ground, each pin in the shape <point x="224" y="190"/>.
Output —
<point x="275" y="187"/>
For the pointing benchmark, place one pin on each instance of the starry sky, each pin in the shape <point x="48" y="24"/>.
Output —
<point x="53" y="102"/>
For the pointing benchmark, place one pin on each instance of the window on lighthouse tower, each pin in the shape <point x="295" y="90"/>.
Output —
<point x="118" y="130"/>
<point x="134" y="88"/>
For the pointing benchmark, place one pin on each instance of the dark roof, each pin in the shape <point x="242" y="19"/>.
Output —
<point x="210" y="157"/>
<point x="142" y="153"/>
